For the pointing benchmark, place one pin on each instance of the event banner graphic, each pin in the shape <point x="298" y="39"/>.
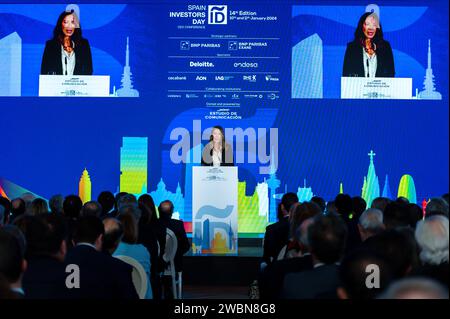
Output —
<point x="314" y="97"/>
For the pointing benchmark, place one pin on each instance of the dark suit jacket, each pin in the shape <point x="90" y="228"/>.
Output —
<point x="52" y="63"/>
<point x="45" y="278"/>
<point x="275" y="238"/>
<point x="272" y="278"/>
<point x="311" y="284"/>
<point x="177" y="227"/>
<point x="101" y="275"/>
<point x="354" y="61"/>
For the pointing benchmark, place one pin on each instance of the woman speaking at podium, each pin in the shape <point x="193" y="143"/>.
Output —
<point x="217" y="152"/>
<point x="369" y="55"/>
<point x="67" y="53"/>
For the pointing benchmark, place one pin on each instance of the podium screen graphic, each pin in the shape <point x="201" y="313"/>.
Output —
<point x="271" y="73"/>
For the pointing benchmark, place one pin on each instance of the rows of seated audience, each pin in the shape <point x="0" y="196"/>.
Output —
<point x="343" y="249"/>
<point x="316" y="250"/>
<point x="40" y="242"/>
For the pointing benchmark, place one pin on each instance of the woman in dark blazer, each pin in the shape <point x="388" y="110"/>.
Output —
<point x="67" y="53"/>
<point x="368" y="55"/>
<point x="217" y="152"/>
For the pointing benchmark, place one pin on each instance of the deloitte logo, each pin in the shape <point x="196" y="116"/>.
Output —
<point x="217" y="14"/>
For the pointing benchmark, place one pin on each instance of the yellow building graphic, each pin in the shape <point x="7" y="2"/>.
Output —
<point x="85" y="187"/>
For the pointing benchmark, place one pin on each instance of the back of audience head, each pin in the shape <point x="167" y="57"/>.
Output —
<point x="287" y="201"/>
<point x="72" y="206"/>
<point x="113" y="234"/>
<point x="327" y="237"/>
<point x="320" y="202"/>
<point x="3" y="215"/>
<point x="302" y="235"/>
<point x="56" y="204"/>
<point x="147" y="206"/>
<point x="437" y="206"/>
<point x="107" y="201"/>
<point x="301" y="212"/>
<point x="354" y="271"/>
<point x="12" y="261"/>
<point x="331" y="208"/>
<point x="17" y="207"/>
<point x="90" y="230"/>
<point x="370" y="223"/>
<point x="359" y="206"/>
<point x="432" y="236"/>
<point x="39" y="206"/>
<point x="16" y="232"/>
<point x="28" y="198"/>
<point x="165" y="210"/>
<point x="126" y="200"/>
<point x="130" y="228"/>
<point x="396" y="215"/>
<point x="394" y="247"/>
<point x="446" y="198"/>
<point x="380" y="203"/>
<point x="415" y="214"/>
<point x="130" y="209"/>
<point x="344" y="205"/>
<point x="92" y="208"/>
<point x="117" y="199"/>
<point x="415" y="288"/>
<point x="402" y="200"/>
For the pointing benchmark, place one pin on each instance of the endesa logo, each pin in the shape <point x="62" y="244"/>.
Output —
<point x="217" y="14"/>
<point x="253" y="65"/>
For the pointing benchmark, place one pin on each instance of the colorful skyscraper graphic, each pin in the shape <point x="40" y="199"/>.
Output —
<point x="262" y="189"/>
<point x="341" y="188"/>
<point x="161" y="193"/>
<point x="407" y="189"/>
<point x="133" y="165"/>
<point x="249" y="219"/>
<point x="304" y="193"/>
<point x="85" y="187"/>
<point x="371" y="186"/>
<point x="126" y="89"/>
<point x="386" y="189"/>
<point x="429" y="90"/>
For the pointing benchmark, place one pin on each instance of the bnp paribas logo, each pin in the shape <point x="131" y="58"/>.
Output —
<point x="217" y="14"/>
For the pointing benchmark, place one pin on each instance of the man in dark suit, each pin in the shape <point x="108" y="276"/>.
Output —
<point x="101" y="276"/>
<point x="327" y="237"/>
<point x="12" y="263"/>
<point x="277" y="234"/>
<point x="45" y="275"/>
<point x="272" y="277"/>
<point x="165" y="209"/>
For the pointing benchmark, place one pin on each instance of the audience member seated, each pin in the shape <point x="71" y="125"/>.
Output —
<point x="71" y="210"/>
<point x="102" y="276"/>
<point x="277" y="234"/>
<point x="370" y="223"/>
<point x="92" y="208"/>
<point x="107" y="201"/>
<point x="394" y="247"/>
<point x="320" y="202"/>
<point x="415" y="213"/>
<point x="446" y="198"/>
<point x="5" y="210"/>
<point x="331" y="207"/>
<point x="272" y="277"/>
<point x="153" y="236"/>
<point x="327" y="237"/>
<point x="12" y="263"/>
<point x="432" y="235"/>
<point x="28" y="199"/>
<point x="129" y="247"/>
<point x="354" y="274"/>
<point x="416" y="288"/>
<point x="297" y="215"/>
<point x="56" y="204"/>
<point x="396" y="215"/>
<point x="437" y="206"/>
<point x="18" y="208"/>
<point x="359" y="206"/>
<point x="39" y="206"/>
<point x="113" y="234"/>
<point x="45" y="276"/>
<point x="165" y="209"/>
<point x="344" y="206"/>
<point x="380" y="203"/>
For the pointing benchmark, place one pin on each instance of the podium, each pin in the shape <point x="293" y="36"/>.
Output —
<point x="376" y="88"/>
<point x="214" y="210"/>
<point x="76" y="85"/>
